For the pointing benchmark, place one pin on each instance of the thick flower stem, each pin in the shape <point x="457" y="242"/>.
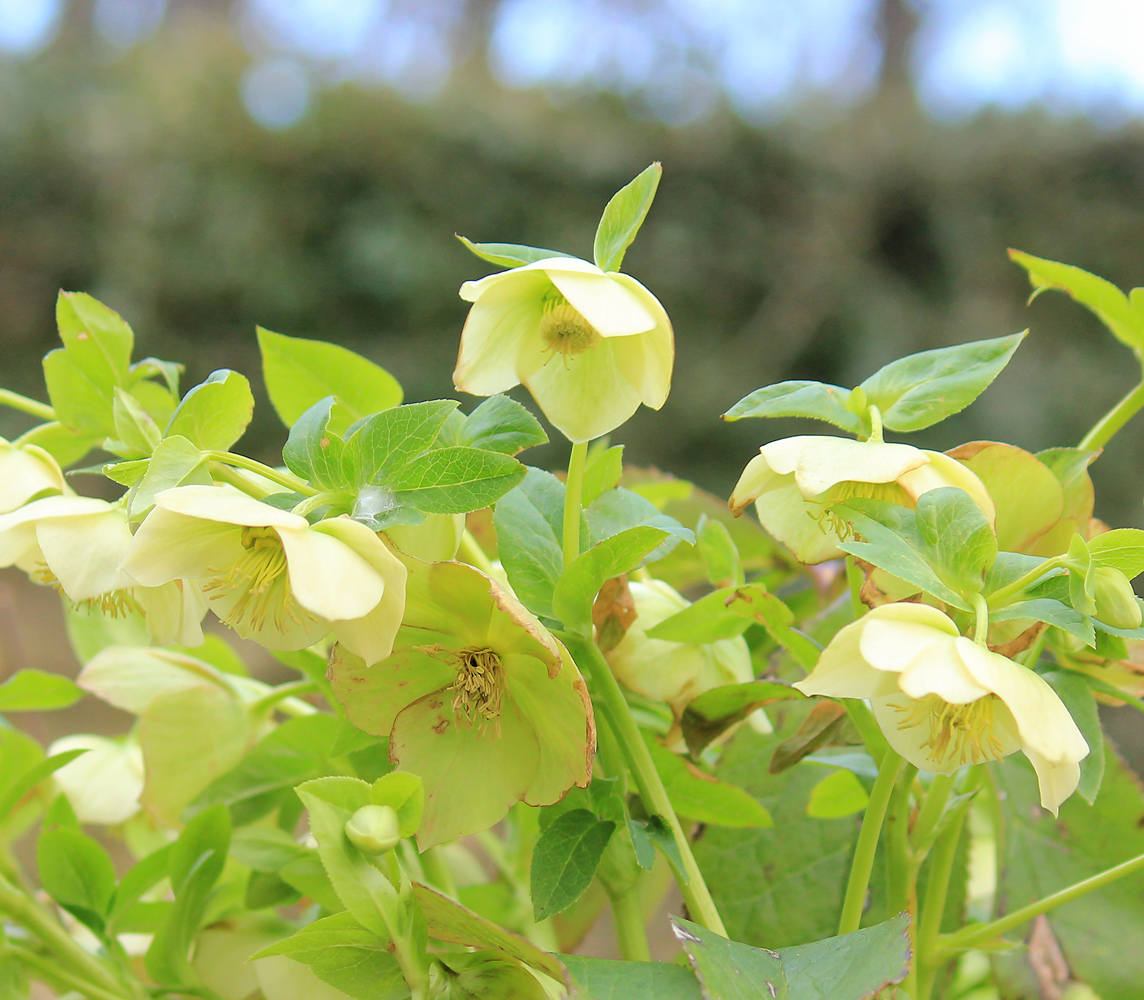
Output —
<point x="631" y="933"/>
<point x="867" y="727"/>
<point x="26" y="405"/>
<point x="931" y="811"/>
<point x="863" y="863"/>
<point x="615" y="707"/>
<point x="970" y="937"/>
<point x="473" y="554"/>
<point x="285" y="479"/>
<point x="1108" y="425"/>
<point x="55" y="975"/>
<point x="573" y="490"/>
<point x="72" y="958"/>
<point x="929" y="927"/>
<point x="902" y="883"/>
<point x="999" y="598"/>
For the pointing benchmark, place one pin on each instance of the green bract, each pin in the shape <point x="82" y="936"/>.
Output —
<point x="478" y="699"/>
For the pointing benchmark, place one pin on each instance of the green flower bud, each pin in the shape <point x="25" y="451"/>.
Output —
<point x="1116" y="603"/>
<point x="374" y="829"/>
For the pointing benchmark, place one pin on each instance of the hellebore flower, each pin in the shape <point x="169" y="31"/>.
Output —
<point x="676" y="672"/>
<point x="25" y="472"/>
<point x="478" y="699"/>
<point x="270" y="574"/>
<point x="944" y="701"/>
<point x="793" y="482"/>
<point x="104" y="784"/>
<point x="590" y="346"/>
<point x="77" y="545"/>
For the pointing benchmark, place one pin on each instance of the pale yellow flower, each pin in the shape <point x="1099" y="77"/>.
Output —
<point x="590" y="346"/>
<point x="27" y="471"/>
<point x="102" y="785"/>
<point x="794" y="481"/>
<point x="77" y="545"/>
<point x="943" y="701"/>
<point x="270" y="574"/>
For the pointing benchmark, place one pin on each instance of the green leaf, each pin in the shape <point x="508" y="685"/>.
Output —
<point x="66" y="446"/>
<point x="97" y="338"/>
<point x="606" y="979"/>
<point x="576" y="590"/>
<point x="839" y="794"/>
<point x="176" y="462"/>
<point x="922" y="389"/>
<point x="264" y="848"/>
<point x="313" y="451"/>
<point x="1124" y="317"/>
<point x="1045" y="609"/>
<point x="196" y="861"/>
<point x="300" y="372"/>
<point x="451" y="922"/>
<point x="455" y="480"/>
<point x="37" y="691"/>
<point x="30" y="778"/>
<point x="957" y="537"/>
<point x="293" y="753"/>
<point x="385" y="442"/>
<point x="1077" y="695"/>
<point x="502" y="425"/>
<point x="720" y="556"/>
<point x="82" y="404"/>
<point x="77" y="873"/>
<point x="529" y="525"/>
<point x="215" y="413"/>
<point x="509" y="254"/>
<point x="698" y="796"/>
<point x="709" y="619"/>
<point x="622" y="218"/>
<point x="729" y="970"/>
<point x="347" y="956"/>
<point x="602" y="473"/>
<point x="891" y="541"/>
<point x="134" y="426"/>
<point x="617" y="510"/>
<point x="405" y="794"/>
<point x="799" y="399"/>
<point x="565" y="860"/>
<point x="754" y="602"/>
<point x="144" y="875"/>
<point x="1120" y="548"/>
<point x="710" y="715"/>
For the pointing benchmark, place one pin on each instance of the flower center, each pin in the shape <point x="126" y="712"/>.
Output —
<point x="478" y="688"/>
<point x="841" y="492"/>
<point x="564" y="330"/>
<point x="959" y="733"/>
<point x="259" y="578"/>
<point x="113" y="604"/>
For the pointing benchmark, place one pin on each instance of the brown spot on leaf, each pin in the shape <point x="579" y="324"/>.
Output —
<point x="613" y="612"/>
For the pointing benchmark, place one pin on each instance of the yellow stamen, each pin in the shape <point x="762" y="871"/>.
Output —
<point x="961" y="734"/>
<point x="259" y="577"/>
<point x="564" y="330"/>
<point x="478" y="688"/>
<point x="114" y="604"/>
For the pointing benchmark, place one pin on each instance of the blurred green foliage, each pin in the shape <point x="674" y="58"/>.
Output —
<point x="820" y="247"/>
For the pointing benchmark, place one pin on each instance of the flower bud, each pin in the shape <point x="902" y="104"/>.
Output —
<point x="374" y="829"/>
<point x="1116" y="603"/>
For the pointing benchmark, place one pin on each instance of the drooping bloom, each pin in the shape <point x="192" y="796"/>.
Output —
<point x="27" y="471"/>
<point x="77" y="545"/>
<point x="794" y="481"/>
<point x="590" y="346"/>
<point x="943" y="701"/>
<point x="478" y="699"/>
<point x="270" y="574"/>
<point x="103" y="785"/>
<point x="676" y="672"/>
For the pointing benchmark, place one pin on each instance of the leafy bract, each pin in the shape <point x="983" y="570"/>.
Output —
<point x="799" y="398"/>
<point x="214" y="414"/>
<point x="623" y="216"/>
<point x="509" y="254"/>
<point x="565" y="860"/>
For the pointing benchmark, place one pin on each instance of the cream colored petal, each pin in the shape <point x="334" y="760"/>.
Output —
<point x="584" y="396"/>
<point x="1045" y="725"/>
<point x="226" y="505"/>
<point x="656" y="345"/>
<point x="174" y="612"/>
<point x="24" y="472"/>
<point x="938" y="670"/>
<point x="298" y="630"/>
<point x="503" y="323"/>
<point x="169" y="546"/>
<point x="945" y="471"/>
<point x="841" y="672"/>
<point x="818" y="463"/>
<point x="612" y="309"/>
<point x="890" y="713"/>
<point x="327" y="577"/>
<point x="50" y="507"/>
<point x="1056" y="781"/>
<point x="18" y="546"/>
<point x="757" y="478"/>
<point x="473" y="290"/>
<point x="104" y="784"/>
<point x="799" y="524"/>
<point x="85" y="553"/>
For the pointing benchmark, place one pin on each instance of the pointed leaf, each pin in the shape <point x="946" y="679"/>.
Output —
<point x="509" y="254"/>
<point x="623" y="216"/>
<point x="799" y="398"/>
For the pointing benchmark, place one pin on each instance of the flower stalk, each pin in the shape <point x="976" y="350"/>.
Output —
<point x="25" y="405"/>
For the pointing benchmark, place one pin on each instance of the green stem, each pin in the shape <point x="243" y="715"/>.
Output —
<point x="631" y="933"/>
<point x="573" y="489"/>
<point x="239" y="480"/>
<point x="607" y="689"/>
<point x="473" y="554"/>
<point x="863" y="863"/>
<point x="931" y="811"/>
<point x="279" y="696"/>
<point x="26" y="405"/>
<point x="285" y="479"/>
<point x="875" y="417"/>
<point x="900" y="858"/>
<point x="57" y="976"/>
<point x="1111" y="690"/>
<point x="937" y="890"/>
<point x="35" y="918"/>
<point x="970" y="937"/>
<point x="854" y="582"/>
<point x="867" y="727"/>
<point x="331" y="498"/>
<point x="1108" y="425"/>
<point x="999" y="598"/>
